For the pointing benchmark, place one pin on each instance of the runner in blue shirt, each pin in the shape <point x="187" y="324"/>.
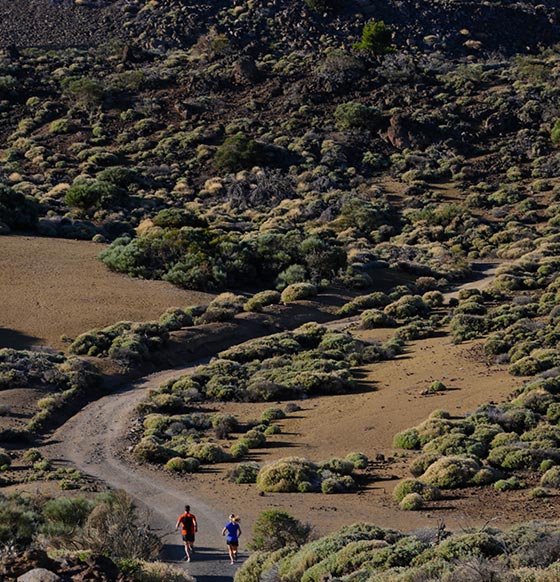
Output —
<point x="233" y="531"/>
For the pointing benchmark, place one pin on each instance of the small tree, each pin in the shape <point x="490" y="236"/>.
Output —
<point x="275" y="529"/>
<point x="376" y="38"/>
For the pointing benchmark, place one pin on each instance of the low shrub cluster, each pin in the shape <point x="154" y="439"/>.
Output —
<point x="62" y="378"/>
<point x="368" y="553"/>
<point x="287" y="365"/>
<point x="295" y="474"/>
<point x="125" y="340"/>
<point x="514" y="437"/>
<point x="207" y="259"/>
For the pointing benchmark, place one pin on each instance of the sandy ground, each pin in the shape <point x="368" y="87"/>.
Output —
<point x="55" y="287"/>
<point x="389" y="399"/>
<point x="97" y="439"/>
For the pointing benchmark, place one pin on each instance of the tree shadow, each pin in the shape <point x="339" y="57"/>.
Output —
<point x="11" y="338"/>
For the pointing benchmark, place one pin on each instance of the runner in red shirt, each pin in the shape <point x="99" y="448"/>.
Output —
<point x="189" y="527"/>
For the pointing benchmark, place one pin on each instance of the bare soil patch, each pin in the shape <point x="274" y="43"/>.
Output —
<point x="54" y="287"/>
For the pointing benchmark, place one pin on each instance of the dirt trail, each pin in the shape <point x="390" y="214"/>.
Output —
<point x="95" y="441"/>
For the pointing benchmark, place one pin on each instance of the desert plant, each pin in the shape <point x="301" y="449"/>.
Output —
<point x="244" y="473"/>
<point x="275" y="529"/>
<point x="376" y="38"/>
<point x="285" y="475"/>
<point x="180" y="465"/>
<point x="412" y="502"/>
<point x="298" y="291"/>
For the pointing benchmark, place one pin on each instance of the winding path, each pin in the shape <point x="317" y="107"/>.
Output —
<point x="94" y="441"/>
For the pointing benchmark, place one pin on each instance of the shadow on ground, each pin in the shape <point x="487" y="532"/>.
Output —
<point x="10" y="338"/>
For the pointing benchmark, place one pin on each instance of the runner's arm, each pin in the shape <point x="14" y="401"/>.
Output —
<point x="195" y="524"/>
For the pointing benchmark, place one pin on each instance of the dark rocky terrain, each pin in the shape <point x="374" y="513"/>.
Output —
<point x="500" y="26"/>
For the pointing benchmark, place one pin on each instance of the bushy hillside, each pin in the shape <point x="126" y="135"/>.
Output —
<point x="269" y="146"/>
<point x="366" y="553"/>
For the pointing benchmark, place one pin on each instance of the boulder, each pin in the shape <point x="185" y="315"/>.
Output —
<point x="39" y="575"/>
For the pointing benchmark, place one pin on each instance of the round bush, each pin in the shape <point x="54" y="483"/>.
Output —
<point x="274" y="429"/>
<point x="285" y="475"/>
<point x="253" y="439"/>
<point x="207" y="453"/>
<point x="451" y="472"/>
<point x="421" y="463"/>
<point x="339" y="466"/>
<point x="359" y="460"/>
<point x="180" y="465"/>
<point x="239" y="449"/>
<point x="149" y="451"/>
<point x="412" y="502"/>
<point x="407" y="439"/>
<point x="272" y="413"/>
<point x="244" y="473"/>
<point x="298" y="291"/>
<point x="551" y="478"/>
<point x="373" y="318"/>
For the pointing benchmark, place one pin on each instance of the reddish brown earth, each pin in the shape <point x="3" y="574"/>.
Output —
<point x="389" y="399"/>
<point x="54" y="287"/>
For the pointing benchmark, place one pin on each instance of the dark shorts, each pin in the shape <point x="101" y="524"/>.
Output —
<point x="189" y="537"/>
<point x="233" y="543"/>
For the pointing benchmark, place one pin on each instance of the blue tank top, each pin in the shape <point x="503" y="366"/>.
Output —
<point x="233" y="531"/>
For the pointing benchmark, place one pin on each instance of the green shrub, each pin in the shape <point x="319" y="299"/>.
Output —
<point x="207" y="453"/>
<point x="465" y="327"/>
<point x="272" y="413"/>
<point x="508" y="484"/>
<point x="224" y="425"/>
<point x="285" y="475"/>
<point x="339" y="466"/>
<point x="343" y="484"/>
<point x="486" y="475"/>
<point x="373" y="318"/>
<point x="174" y="319"/>
<point x="273" y="429"/>
<point x="244" y="473"/>
<point x="376" y="38"/>
<point x="148" y="450"/>
<point x="254" y="439"/>
<point x="436" y="386"/>
<point x="359" y="460"/>
<point x="451" y="472"/>
<point x="421" y="463"/>
<point x="352" y="115"/>
<point x="237" y="152"/>
<point x="412" y="502"/>
<point x="261" y="300"/>
<point x="239" y="449"/>
<point x="32" y="455"/>
<point x="407" y="439"/>
<point x="297" y="292"/>
<point x="406" y="307"/>
<point x="460" y="547"/>
<point x="551" y="478"/>
<point x="275" y="529"/>
<point x="180" y="465"/>
<point x="91" y="194"/>
<point x="407" y="486"/>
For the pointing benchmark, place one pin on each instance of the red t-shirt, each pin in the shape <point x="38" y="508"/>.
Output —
<point x="188" y="523"/>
